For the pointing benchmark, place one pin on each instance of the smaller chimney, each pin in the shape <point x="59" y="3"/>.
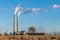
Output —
<point x="18" y="24"/>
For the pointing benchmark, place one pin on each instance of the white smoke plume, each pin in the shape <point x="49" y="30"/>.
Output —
<point x="19" y="13"/>
<point x="32" y="10"/>
<point x="17" y="9"/>
<point x="20" y="10"/>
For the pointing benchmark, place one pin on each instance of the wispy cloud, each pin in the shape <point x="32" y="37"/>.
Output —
<point x="55" y="6"/>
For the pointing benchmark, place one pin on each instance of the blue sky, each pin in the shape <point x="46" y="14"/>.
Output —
<point x="47" y="19"/>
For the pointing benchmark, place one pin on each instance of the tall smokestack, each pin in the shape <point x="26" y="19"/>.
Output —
<point x="18" y="22"/>
<point x="14" y="29"/>
<point x="15" y="21"/>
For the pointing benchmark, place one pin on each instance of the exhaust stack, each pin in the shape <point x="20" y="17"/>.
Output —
<point x="18" y="24"/>
<point x="14" y="24"/>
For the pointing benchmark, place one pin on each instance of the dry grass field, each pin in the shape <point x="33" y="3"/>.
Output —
<point x="30" y="37"/>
